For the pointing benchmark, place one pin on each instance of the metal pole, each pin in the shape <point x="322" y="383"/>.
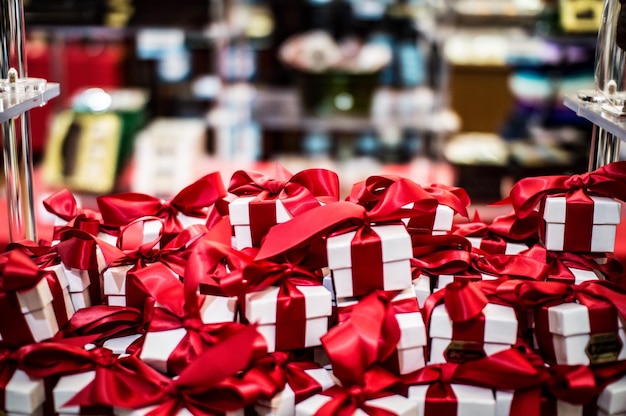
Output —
<point x="604" y="148"/>
<point x="16" y="146"/>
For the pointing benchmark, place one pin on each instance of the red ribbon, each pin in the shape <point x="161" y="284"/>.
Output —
<point x="366" y="250"/>
<point x="299" y="192"/>
<point x="114" y="378"/>
<point x="207" y="386"/>
<point x="440" y="254"/>
<point x="609" y="180"/>
<point x="194" y="200"/>
<point x="370" y="336"/>
<point x="504" y="228"/>
<point x="507" y="370"/>
<point x="348" y="398"/>
<point x="104" y="322"/>
<point x="63" y="204"/>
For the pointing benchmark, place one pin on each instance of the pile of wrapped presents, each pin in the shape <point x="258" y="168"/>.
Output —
<point x="273" y="295"/>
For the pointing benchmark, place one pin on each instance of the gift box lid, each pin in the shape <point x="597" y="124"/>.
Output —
<point x="613" y="398"/>
<point x="500" y="324"/>
<point x="114" y="280"/>
<point x="605" y="210"/>
<point x="78" y="280"/>
<point x="470" y="400"/>
<point x="413" y="330"/>
<point x="570" y="318"/>
<point x="35" y="298"/>
<point x="59" y="271"/>
<point x="395" y="241"/>
<point x="239" y="210"/>
<point x="261" y="306"/>
<point x="23" y="394"/>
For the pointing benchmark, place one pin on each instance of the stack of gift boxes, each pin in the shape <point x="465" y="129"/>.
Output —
<point x="274" y="296"/>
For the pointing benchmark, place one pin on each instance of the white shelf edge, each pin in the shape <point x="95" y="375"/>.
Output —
<point x="594" y="113"/>
<point x="10" y="110"/>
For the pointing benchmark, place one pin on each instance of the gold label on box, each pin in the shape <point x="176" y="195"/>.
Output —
<point x="603" y="348"/>
<point x="463" y="351"/>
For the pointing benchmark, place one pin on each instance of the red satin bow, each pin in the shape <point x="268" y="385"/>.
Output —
<point x="63" y="204"/>
<point x="208" y="385"/>
<point x="299" y="192"/>
<point x="440" y="254"/>
<point x="370" y="336"/>
<point x="120" y="209"/>
<point x="609" y="181"/>
<point x="348" y="398"/>
<point x="508" y="227"/>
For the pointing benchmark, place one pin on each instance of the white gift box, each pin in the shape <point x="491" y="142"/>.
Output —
<point x="612" y="399"/>
<point x="284" y="402"/>
<point x="114" y="284"/>
<point x="218" y="309"/>
<point x="239" y="211"/>
<point x="470" y="400"/>
<point x="569" y="326"/>
<point x="444" y="216"/>
<point x="509" y="248"/>
<point x="500" y="332"/>
<point x="413" y="338"/>
<point x="77" y="286"/>
<point x="396" y="254"/>
<point x="159" y="345"/>
<point x="23" y="394"/>
<point x="504" y="402"/>
<point x="421" y="287"/>
<point x="261" y="308"/>
<point x="182" y="412"/>
<point x="606" y="216"/>
<point x="396" y="404"/>
<point x="36" y="305"/>
<point x="68" y="387"/>
<point x="81" y="300"/>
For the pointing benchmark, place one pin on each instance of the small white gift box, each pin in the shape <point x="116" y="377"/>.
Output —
<point x="509" y="247"/>
<point x="413" y="339"/>
<point x="444" y="216"/>
<point x="396" y="254"/>
<point x="218" y="309"/>
<point x="159" y="345"/>
<point x="396" y="404"/>
<point x="284" y="402"/>
<point x="569" y="329"/>
<point x="68" y="387"/>
<point x="606" y="216"/>
<point x="470" y="400"/>
<point x="77" y="284"/>
<point x="239" y="211"/>
<point x="261" y="308"/>
<point x="24" y="395"/>
<point x="115" y="282"/>
<point x="612" y="399"/>
<point x="500" y="333"/>
<point x="36" y="306"/>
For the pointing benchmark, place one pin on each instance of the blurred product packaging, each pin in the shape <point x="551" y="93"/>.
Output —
<point x="89" y="143"/>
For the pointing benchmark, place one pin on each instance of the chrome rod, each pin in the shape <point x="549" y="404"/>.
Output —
<point x="17" y="149"/>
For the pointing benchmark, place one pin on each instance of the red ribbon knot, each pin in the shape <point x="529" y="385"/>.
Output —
<point x="578" y="181"/>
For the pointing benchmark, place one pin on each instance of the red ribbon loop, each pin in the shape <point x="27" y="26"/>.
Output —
<point x="608" y="180"/>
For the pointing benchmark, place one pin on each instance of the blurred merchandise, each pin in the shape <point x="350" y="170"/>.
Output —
<point x="89" y="144"/>
<point x="166" y="155"/>
<point x="580" y="16"/>
<point x="334" y="77"/>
